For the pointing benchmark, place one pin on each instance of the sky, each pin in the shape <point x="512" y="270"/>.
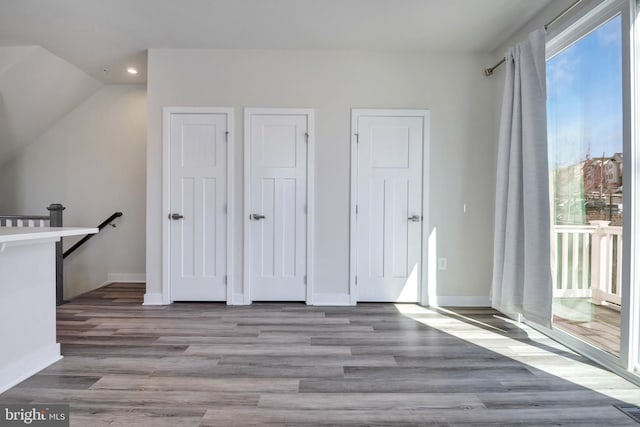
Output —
<point x="584" y="97"/>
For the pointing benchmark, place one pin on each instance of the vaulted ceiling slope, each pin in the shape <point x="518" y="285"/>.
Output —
<point x="37" y="89"/>
<point x="102" y="37"/>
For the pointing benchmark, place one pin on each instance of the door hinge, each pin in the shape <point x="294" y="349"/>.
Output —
<point x="356" y="280"/>
<point x="305" y="209"/>
<point x="225" y="280"/>
<point x="357" y="137"/>
<point x="356" y="209"/>
<point x="305" y="279"/>
<point x="226" y="136"/>
<point x="306" y="135"/>
<point x="225" y="208"/>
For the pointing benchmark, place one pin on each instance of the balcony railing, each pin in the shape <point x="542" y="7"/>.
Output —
<point x="586" y="262"/>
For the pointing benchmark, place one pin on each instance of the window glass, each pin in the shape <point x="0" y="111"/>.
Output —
<point x="585" y="137"/>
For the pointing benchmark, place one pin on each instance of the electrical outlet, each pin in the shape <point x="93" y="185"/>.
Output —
<point x="442" y="263"/>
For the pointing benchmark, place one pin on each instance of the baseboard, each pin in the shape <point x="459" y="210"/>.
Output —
<point x="157" y="299"/>
<point x="19" y="371"/>
<point x="459" y="301"/>
<point x="345" y="300"/>
<point x="331" y="299"/>
<point x="438" y="301"/>
<point x="153" y="299"/>
<point x="126" y="278"/>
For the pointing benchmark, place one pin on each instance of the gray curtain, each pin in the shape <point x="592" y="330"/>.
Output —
<point x="521" y="264"/>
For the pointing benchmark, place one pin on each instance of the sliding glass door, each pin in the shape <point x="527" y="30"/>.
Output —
<point x="586" y="156"/>
<point x="589" y="159"/>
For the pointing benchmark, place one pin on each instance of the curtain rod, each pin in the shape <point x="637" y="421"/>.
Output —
<point x="489" y="71"/>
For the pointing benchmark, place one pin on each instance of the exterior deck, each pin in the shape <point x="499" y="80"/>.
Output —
<point x="586" y="265"/>
<point x="596" y="324"/>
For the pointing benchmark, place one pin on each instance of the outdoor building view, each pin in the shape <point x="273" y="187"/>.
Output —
<point x="589" y="190"/>
<point x="585" y="132"/>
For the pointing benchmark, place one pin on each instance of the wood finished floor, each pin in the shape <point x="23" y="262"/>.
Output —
<point x="596" y="324"/>
<point x="194" y="364"/>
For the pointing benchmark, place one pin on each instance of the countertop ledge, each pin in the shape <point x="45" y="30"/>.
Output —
<point x="23" y="234"/>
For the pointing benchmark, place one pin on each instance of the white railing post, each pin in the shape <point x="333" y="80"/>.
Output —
<point x="619" y="280"/>
<point x="554" y="260"/>
<point x="593" y="252"/>
<point x="570" y="262"/>
<point x="599" y="262"/>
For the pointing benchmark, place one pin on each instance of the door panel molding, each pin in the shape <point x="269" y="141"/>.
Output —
<point x="167" y="113"/>
<point x="426" y="283"/>
<point x="247" y="262"/>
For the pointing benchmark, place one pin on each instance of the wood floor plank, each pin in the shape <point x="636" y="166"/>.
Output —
<point x="138" y="418"/>
<point x="193" y="331"/>
<point x="301" y="418"/>
<point x="163" y="366"/>
<point x="64" y="381"/>
<point x="268" y="350"/>
<point x="275" y="364"/>
<point x="429" y="374"/>
<point x="370" y="401"/>
<point x="122" y="350"/>
<point x="262" y="339"/>
<point x="548" y="399"/>
<point x="400" y="385"/>
<point x="540" y="417"/>
<point x="313" y="360"/>
<point x="245" y="385"/>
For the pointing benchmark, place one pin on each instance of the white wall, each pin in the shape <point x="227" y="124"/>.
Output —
<point x="37" y="89"/>
<point x="452" y="86"/>
<point x="93" y="162"/>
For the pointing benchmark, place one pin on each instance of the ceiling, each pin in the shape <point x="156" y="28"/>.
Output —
<point x="103" y="37"/>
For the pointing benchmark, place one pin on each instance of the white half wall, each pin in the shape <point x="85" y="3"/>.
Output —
<point x="462" y="167"/>
<point x="93" y="162"/>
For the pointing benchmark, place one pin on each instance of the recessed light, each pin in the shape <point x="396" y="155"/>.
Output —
<point x="132" y="70"/>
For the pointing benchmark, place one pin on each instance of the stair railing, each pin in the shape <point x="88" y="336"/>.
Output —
<point x="54" y="219"/>
<point x="103" y="224"/>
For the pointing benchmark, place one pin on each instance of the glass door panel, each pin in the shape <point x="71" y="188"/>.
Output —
<point x="585" y="137"/>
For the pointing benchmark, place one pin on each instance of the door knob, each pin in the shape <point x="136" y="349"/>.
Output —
<point x="175" y="216"/>
<point x="257" y="216"/>
<point x="414" y="218"/>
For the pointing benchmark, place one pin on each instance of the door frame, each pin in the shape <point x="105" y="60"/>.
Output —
<point x="167" y="112"/>
<point x="356" y="113"/>
<point x="309" y="113"/>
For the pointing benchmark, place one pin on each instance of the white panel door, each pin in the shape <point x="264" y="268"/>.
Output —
<point x="389" y="207"/>
<point x="278" y="144"/>
<point x="198" y="197"/>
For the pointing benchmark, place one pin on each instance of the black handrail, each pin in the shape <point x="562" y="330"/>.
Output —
<point x="88" y="236"/>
